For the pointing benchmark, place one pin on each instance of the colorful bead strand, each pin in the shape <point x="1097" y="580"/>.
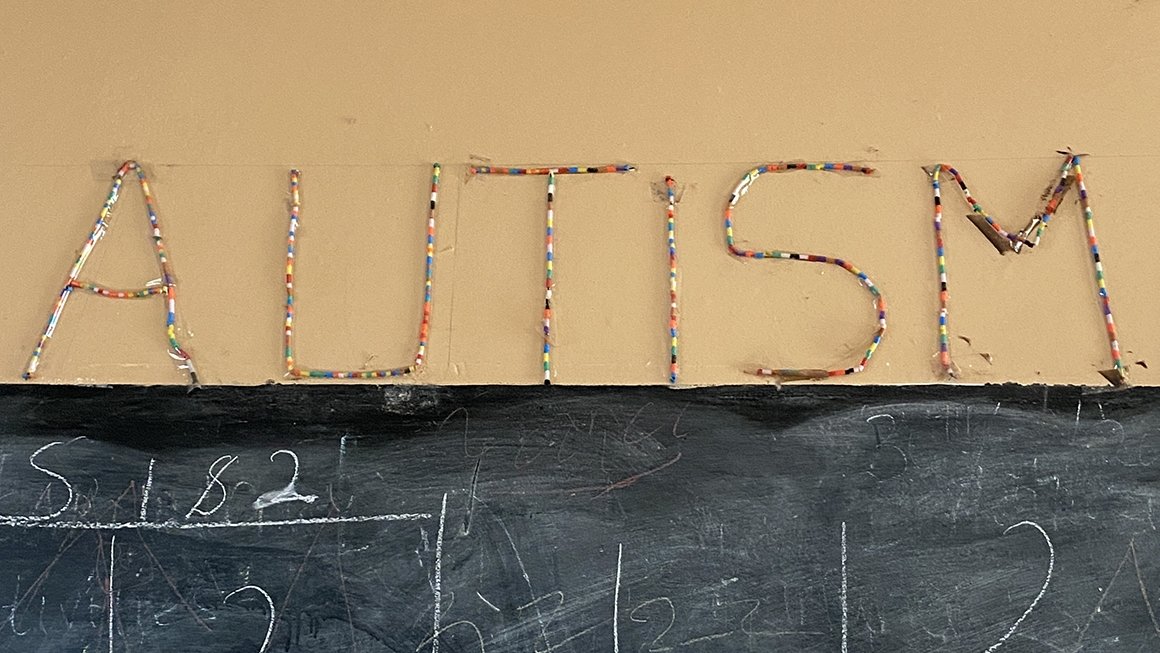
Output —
<point x="1118" y="374"/>
<point x="1003" y="240"/>
<point x="1039" y="221"/>
<point x="169" y="282"/>
<point x="549" y="238"/>
<point x="1070" y="174"/>
<point x="671" y="225"/>
<point x="291" y="247"/>
<point x="944" y="344"/>
<point x="788" y="374"/>
<point x="549" y="283"/>
<point x="293" y="370"/>
<point x="559" y="170"/>
<point x="117" y="294"/>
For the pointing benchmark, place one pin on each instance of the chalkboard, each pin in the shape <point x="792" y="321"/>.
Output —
<point x="504" y="519"/>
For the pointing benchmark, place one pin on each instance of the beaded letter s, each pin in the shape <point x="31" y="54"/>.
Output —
<point x="788" y="374"/>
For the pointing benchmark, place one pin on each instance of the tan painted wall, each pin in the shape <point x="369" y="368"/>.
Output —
<point x="219" y="99"/>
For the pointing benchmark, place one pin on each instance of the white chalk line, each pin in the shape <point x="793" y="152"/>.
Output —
<point x="145" y="492"/>
<point x="616" y="602"/>
<point x="112" y="560"/>
<point x="439" y="577"/>
<point x="488" y="603"/>
<point x="34" y="522"/>
<point x="1042" y="590"/>
<point x="845" y="609"/>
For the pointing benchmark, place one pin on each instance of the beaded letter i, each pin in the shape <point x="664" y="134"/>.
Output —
<point x="674" y="325"/>
<point x="549" y="283"/>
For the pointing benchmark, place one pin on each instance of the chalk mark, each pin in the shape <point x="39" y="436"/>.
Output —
<point x="342" y="584"/>
<point x="1042" y="590"/>
<point x="172" y="585"/>
<point x="602" y="490"/>
<point x="146" y="490"/>
<point x="557" y="594"/>
<point x="297" y="575"/>
<point x="173" y="524"/>
<point x="67" y="485"/>
<point x="576" y="635"/>
<point x="213" y="478"/>
<point x="67" y="542"/>
<point x="1143" y="588"/>
<point x="616" y="602"/>
<point x="462" y="622"/>
<point x="287" y="494"/>
<point x="471" y="497"/>
<point x="705" y="638"/>
<point x="626" y="482"/>
<point x="1100" y="604"/>
<point x="269" y="602"/>
<point x="489" y="603"/>
<point x="439" y="577"/>
<point x="112" y="561"/>
<point x="845" y="609"/>
<point x="652" y="646"/>
<point x="527" y="580"/>
<point x="11" y="620"/>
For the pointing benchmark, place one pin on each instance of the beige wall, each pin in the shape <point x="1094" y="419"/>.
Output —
<point x="219" y="99"/>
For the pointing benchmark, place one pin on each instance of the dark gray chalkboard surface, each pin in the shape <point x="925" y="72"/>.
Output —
<point x="500" y="519"/>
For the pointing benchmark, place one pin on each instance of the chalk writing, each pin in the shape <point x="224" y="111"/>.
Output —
<point x="109" y="586"/>
<point x="212" y="480"/>
<point x="1042" y="590"/>
<point x="616" y="602"/>
<point x="438" y="585"/>
<point x="845" y="609"/>
<point x="758" y="530"/>
<point x="286" y="494"/>
<point x="68" y="486"/>
<point x="672" y="618"/>
<point x="146" y="490"/>
<point x="269" y="602"/>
